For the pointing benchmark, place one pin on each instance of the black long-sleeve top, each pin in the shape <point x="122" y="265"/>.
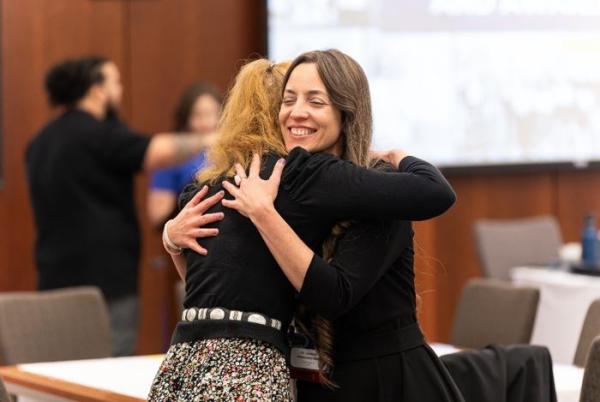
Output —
<point x="370" y="279"/>
<point x="80" y="173"/>
<point x="316" y="191"/>
<point x="368" y="285"/>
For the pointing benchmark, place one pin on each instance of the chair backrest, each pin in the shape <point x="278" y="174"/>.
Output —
<point x="65" y="324"/>
<point x="590" y="387"/>
<point x="491" y="311"/>
<point x="4" y="397"/>
<point x="503" y="373"/>
<point x="503" y="244"/>
<point x="589" y="331"/>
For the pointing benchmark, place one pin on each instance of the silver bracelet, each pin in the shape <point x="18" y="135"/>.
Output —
<point x="168" y="244"/>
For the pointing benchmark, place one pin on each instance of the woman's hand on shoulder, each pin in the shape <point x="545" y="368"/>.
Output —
<point x="252" y="195"/>
<point x="187" y="226"/>
<point x="392" y="156"/>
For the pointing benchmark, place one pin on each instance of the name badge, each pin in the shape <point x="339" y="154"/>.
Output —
<point x="304" y="359"/>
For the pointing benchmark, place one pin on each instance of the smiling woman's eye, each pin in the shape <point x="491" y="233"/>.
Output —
<point x="288" y="100"/>
<point x="317" y="102"/>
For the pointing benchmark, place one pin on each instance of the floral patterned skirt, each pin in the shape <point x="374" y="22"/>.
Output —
<point x="222" y="369"/>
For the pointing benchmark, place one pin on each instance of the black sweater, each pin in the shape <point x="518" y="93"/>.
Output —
<point x="80" y="172"/>
<point x="370" y="279"/>
<point x="368" y="286"/>
<point x="316" y="191"/>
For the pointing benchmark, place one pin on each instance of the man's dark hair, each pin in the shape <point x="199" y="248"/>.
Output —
<point x="69" y="81"/>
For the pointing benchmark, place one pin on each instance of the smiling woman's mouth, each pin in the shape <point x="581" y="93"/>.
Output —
<point x="301" y="131"/>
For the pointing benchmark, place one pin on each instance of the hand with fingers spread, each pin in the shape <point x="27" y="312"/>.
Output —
<point x="252" y="194"/>
<point x="184" y="230"/>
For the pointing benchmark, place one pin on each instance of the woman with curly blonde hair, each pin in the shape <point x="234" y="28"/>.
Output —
<point x="249" y="121"/>
<point x="231" y="343"/>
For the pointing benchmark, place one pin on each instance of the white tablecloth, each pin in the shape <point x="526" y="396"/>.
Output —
<point x="567" y="378"/>
<point x="130" y="376"/>
<point x="564" y="300"/>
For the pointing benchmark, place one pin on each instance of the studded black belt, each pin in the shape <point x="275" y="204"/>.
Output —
<point x="220" y="313"/>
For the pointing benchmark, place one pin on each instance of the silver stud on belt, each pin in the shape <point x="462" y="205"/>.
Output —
<point x="219" y="313"/>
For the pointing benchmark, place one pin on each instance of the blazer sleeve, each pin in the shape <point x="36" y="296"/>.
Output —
<point x="333" y="188"/>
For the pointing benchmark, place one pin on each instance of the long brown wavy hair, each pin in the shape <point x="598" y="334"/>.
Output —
<point x="348" y="89"/>
<point x="249" y="123"/>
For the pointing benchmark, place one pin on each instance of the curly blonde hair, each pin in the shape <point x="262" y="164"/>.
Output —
<point x="249" y="123"/>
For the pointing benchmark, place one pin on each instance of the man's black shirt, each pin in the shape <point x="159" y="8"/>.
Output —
<point x="80" y="172"/>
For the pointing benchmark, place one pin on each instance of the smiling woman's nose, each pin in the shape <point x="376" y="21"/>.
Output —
<point x="298" y="112"/>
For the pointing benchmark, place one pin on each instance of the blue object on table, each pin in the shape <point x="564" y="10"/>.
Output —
<point x="589" y="243"/>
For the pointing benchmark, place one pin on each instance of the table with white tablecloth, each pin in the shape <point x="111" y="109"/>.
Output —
<point x="120" y="379"/>
<point x="128" y="379"/>
<point x="564" y="300"/>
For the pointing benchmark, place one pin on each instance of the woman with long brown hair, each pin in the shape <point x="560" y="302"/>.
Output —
<point x="373" y="349"/>
<point x="231" y="342"/>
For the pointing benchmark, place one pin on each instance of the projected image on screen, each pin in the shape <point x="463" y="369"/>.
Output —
<point x="466" y="82"/>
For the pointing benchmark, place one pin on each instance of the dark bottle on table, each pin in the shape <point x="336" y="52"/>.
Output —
<point x="589" y="243"/>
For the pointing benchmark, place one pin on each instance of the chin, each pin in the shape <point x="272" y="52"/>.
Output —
<point x="306" y="147"/>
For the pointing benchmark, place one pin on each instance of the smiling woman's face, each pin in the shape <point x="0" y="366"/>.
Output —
<point x="307" y="117"/>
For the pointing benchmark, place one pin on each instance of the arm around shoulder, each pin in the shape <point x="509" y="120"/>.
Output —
<point x="337" y="189"/>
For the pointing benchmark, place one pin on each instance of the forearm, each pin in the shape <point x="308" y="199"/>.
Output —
<point x="176" y="253"/>
<point x="290" y="252"/>
<point x="339" y="190"/>
<point x="167" y="149"/>
<point x="160" y="206"/>
<point x="436" y="194"/>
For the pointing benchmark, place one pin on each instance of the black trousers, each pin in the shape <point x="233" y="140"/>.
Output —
<point x="413" y="375"/>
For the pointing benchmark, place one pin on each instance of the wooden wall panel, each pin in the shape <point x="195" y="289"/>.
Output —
<point x="427" y="271"/>
<point x="171" y="48"/>
<point x="578" y="193"/>
<point x="36" y="34"/>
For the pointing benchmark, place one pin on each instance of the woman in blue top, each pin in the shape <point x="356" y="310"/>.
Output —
<point x="198" y="111"/>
